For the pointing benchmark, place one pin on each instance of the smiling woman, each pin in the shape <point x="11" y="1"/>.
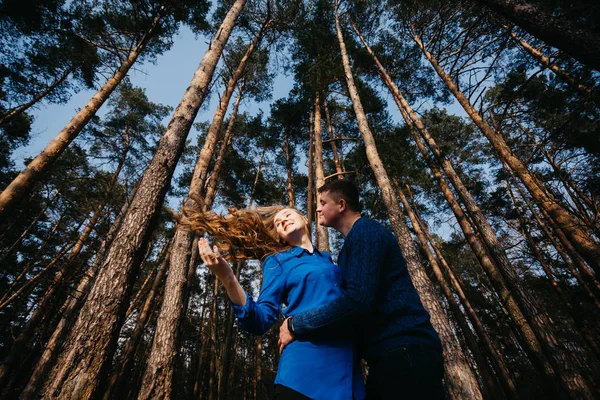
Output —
<point x="295" y="274"/>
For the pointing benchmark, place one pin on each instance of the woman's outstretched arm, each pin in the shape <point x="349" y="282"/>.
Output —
<point x="214" y="261"/>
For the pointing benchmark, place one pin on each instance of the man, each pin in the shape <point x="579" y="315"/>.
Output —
<point x="395" y="336"/>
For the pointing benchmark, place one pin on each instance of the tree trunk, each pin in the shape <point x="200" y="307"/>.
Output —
<point x="82" y="364"/>
<point x="48" y="304"/>
<point x="114" y="389"/>
<point x="13" y="193"/>
<point x="545" y="61"/>
<point x="322" y="233"/>
<point x="213" y="181"/>
<point x="228" y="352"/>
<point x="290" y="172"/>
<point x="310" y="190"/>
<point x="580" y="239"/>
<point x="69" y="310"/>
<point x="460" y="379"/>
<point x="336" y="156"/>
<point x="581" y="43"/>
<point x="29" y="228"/>
<point x="24" y="107"/>
<point x="495" y="357"/>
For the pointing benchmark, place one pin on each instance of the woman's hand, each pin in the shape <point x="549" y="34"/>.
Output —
<point x="214" y="261"/>
<point x="221" y="268"/>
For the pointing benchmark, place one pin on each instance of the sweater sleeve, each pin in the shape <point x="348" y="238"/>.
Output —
<point x="364" y="256"/>
<point x="258" y="316"/>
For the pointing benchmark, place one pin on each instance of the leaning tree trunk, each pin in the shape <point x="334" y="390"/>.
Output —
<point x="213" y="181"/>
<point x="114" y="388"/>
<point x="158" y="377"/>
<point x="322" y="234"/>
<point x="69" y="311"/>
<point x="580" y="239"/>
<point x="83" y="363"/>
<point x="545" y="61"/>
<point x="508" y="385"/>
<point x="581" y="43"/>
<point x="310" y="190"/>
<point x="24" y="107"/>
<point x="43" y="161"/>
<point x="460" y="378"/>
<point x="48" y="304"/>
<point x="288" y="168"/>
<point x="336" y="156"/>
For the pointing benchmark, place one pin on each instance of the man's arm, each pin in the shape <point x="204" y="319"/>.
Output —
<point x="365" y="255"/>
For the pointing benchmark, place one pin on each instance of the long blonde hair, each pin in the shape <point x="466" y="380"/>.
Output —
<point x="246" y="234"/>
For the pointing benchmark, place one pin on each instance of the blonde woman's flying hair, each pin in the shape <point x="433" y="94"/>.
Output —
<point x="246" y="234"/>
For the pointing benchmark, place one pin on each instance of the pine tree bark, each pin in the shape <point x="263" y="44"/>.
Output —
<point x="545" y="61"/>
<point x="15" y="191"/>
<point x="496" y="358"/>
<point x="114" y="388"/>
<point x="83" y="363"/>
<point x="47" y="306"/>
<point x="460" y="379"/>
<point x="213" y="181"/>
<point x="158" y="377"/>
<point x="579" y="42"/>
<point x="336" y="156"/>
<point x="24" y="107"/>
<point x="288" y="168"/>
<point x="322" y="233"/>
<point x="571" y="227"/>
<point x="310" y="190"/>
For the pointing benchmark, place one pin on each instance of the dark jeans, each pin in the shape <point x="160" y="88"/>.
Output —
<point x="285" y="393"/>
<point x="411" y="372"/>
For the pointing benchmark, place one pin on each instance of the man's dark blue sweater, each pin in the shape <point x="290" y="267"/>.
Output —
<point x="378" y="296"/>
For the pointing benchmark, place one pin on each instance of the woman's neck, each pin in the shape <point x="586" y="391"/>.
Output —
<point x="302" y="241"/>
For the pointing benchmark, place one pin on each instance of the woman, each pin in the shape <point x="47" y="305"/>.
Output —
<point x="294" y="274"/>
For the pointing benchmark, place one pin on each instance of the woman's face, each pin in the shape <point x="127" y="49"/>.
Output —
<point x="290" y="225"/>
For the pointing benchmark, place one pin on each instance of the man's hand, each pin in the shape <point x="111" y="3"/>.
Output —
<point x="285" y="336"/>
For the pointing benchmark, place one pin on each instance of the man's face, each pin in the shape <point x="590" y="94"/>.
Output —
<point x="328" y="210"/>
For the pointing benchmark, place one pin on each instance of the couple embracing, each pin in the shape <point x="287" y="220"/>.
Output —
<point x="367" y="307"/>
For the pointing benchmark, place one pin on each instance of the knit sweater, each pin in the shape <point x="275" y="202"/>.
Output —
<point x="378" y="296"/>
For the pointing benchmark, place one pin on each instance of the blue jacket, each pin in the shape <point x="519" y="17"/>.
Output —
<point x="378" y="296"/>
<point x="325" y="368"/>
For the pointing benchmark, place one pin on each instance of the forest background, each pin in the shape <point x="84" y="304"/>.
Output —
<point x="471" y="127"/>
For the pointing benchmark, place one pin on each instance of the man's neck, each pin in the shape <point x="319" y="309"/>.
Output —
<point x="346" y="223"/>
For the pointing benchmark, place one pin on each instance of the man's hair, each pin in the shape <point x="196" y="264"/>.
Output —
<point x="343" y="189"/>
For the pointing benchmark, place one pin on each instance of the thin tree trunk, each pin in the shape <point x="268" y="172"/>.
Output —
<point x="336" y="156"/>
<point x="223" y="392"/>
<point x="257" y="176"/>
<point x="213" y="181"/>
<point x="24" y="107"/>
<point x="583" y="44"/>
<point x="82" y="365"/>
<point x="545" y="61"/>
<point x="460" y="379"/>
<point x="310" y="190"/>
<point x="37" y="167"/>
<point x="29" y="228"/>
<point x="212" y="368"/>
<point x="288" y="168"/>
<point x="579" y="238"/>
<point x="322" y="233"/>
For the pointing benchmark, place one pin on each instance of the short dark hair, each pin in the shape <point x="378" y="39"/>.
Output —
<point x="343" y="189"/>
